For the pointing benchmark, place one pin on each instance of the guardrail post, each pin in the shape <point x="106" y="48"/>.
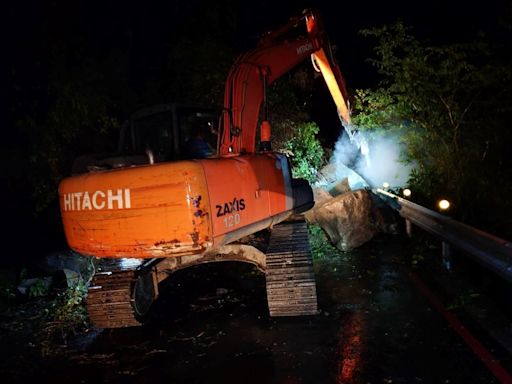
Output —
<point x="408" y="227"/>
<point x="447" y="256"/>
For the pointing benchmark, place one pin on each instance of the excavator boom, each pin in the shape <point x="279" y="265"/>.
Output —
<point x="254" y="71"/>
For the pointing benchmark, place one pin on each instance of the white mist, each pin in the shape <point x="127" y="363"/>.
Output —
<point x="373" y="156"/>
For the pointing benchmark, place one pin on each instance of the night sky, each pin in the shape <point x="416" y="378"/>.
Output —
<point x="104" y="25"/>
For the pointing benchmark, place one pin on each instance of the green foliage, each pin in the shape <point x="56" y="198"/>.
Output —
<point x="80" y="115"/>
<point x="191" y="76"/>
<point x="70" y="306"/>
<point x="38" y="289"/>
<point x="64" y="317"/>
<point x="7" y="294"/>
<point x="451" y="106"/>
<point x="287" y="101"/>
<point x="466" y="301"/>
<point x="321" y="246"/>
<point x="306" y="150"/>
<point x="198" y="57"/>
<point x="416" y="259"/>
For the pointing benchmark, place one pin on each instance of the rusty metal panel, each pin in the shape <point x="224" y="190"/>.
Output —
<point x="147" y="211"/>
<point x="245" y="190"/>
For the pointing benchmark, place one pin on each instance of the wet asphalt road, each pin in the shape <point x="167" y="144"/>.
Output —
<point x="211" y="326"/>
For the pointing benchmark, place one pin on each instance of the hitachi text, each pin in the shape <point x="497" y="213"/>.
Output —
<point x="97" y="200"/>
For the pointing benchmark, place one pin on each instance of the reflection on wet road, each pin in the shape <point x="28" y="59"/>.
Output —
<point x="211" y="326"/>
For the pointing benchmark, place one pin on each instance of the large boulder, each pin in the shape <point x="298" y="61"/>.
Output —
<point x="320" y="196"/>
<point x="350" y="219"/>
<point x="332" y="174"/>
<point x="340" y="187"/>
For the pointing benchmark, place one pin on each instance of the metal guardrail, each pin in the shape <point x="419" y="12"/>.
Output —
<point x="492" y="252"/>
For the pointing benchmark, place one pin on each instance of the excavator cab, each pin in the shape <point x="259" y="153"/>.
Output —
<point x="169" y="132"/>
<point x="165" y="132"/>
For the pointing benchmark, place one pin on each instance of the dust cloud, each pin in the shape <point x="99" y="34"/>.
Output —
<point x="376" y="157"/>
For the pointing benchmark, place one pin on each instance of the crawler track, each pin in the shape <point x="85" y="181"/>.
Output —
<point x="291" y="289"/>
<point x="109" y="298"/>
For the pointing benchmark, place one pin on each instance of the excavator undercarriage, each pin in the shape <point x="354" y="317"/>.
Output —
<point x="121" y="295"/>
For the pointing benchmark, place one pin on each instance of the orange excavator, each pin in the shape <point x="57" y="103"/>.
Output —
<point x="146" y="221"/>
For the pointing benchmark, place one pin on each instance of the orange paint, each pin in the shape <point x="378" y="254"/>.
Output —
<point x="174" y="208"/>
<point x="167" y="212"/>
<point x="257" y="181"/>
<point x="334" y="82"/>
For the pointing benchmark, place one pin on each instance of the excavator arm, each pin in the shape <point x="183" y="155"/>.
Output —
<point x="253" y="72"/>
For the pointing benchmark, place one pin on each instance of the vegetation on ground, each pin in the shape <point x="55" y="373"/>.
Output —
<point x="321" y="246"/>
<point x="49" y="315"/>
